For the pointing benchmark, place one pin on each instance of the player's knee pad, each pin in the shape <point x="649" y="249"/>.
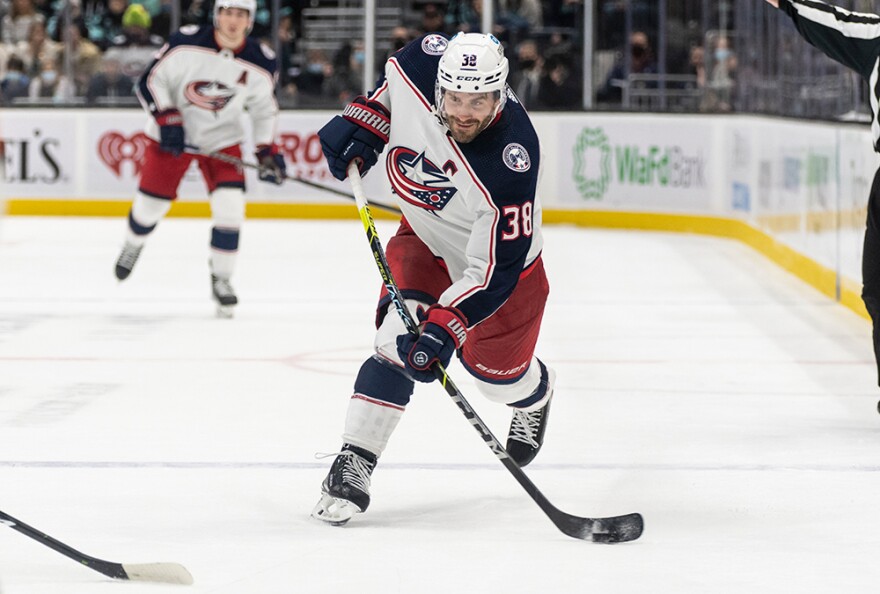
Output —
<point x="382" y="380"/>
<point x="391" y="327"/>
<point x="381" y="393"/>
<point x="146" y="212"/>
<point x="227" y="207"/>
<point x="530" y="392"/>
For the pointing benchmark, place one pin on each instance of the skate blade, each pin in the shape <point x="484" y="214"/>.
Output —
<point x="225" y="312"/>
<point x="336" y="512"/>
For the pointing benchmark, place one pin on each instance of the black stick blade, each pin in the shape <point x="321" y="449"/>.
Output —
<point x="602" y="530"/>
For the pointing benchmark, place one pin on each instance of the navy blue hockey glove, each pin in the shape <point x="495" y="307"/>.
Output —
<point x="170" y="131"/>
<point x="272" y="166"/>
<point x="359" y="133"/>
<point x="443" y="332"/>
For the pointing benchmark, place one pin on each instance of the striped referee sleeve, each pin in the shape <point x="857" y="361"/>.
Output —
<point x="851" y="38"/>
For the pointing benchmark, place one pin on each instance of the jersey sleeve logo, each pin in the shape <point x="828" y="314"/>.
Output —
<point x="210" y="95"/>
<point x="434" y="45"/>
<point x="417" y="180"/>
<point x="516" y="157"/>
<point x="267" y="51"/>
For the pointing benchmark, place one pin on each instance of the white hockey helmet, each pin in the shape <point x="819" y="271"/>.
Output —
<point x="472" y="63"/>
<point x="248" y="5"/>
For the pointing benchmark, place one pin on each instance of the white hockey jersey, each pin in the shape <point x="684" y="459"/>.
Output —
<point x="212" y="88"/>
<point x="472" y="204"/>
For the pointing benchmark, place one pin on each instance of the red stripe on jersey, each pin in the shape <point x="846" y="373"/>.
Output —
<point x="377" y="402"/>
<point x="378" y="92"/>
<point x="406" y="79"/>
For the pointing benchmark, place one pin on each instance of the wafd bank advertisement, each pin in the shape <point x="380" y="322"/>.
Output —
<point x="610" y="162"/>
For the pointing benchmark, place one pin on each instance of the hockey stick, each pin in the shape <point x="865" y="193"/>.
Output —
<point x="241" y="163"/>
<point x="605" y="530"/>
<point x="169" y="573"/>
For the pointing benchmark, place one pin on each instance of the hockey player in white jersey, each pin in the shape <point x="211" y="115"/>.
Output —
<point x="463" y="159"/>
<point x="196" y="92"/>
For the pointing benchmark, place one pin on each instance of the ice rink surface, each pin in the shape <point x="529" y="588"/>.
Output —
<point x="729" y="403"/>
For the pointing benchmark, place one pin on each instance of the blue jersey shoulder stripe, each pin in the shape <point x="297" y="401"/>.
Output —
<point x="420" y="66"/>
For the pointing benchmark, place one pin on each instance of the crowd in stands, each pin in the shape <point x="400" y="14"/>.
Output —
<point x="96" y="51"/>
<point x="93" y="50"/>
<point x="541" y="37"/>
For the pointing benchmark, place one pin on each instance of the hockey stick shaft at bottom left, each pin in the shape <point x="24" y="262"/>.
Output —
<point x="169" y="573"/>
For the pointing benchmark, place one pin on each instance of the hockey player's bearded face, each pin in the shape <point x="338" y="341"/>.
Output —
<point x="468" y="114"/>
<point x="232" y="26"/>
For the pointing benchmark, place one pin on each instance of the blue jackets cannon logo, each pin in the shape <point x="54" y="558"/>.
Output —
<point x="417" y="180"/>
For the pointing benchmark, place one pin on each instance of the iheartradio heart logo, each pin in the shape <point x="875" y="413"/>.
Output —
<point x="114" y="148"/>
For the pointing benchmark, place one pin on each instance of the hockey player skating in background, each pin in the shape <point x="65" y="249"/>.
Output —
<point x="196" y="92"/>
<point x="853" y="39"/>
<point x="463" y="159"/>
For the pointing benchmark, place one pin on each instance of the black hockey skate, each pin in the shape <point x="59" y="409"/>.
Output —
<point x="224" y="295"/>
<point x="346" y="490"/>
<point x="127" y="258"/>
<point x="526" y="435"/>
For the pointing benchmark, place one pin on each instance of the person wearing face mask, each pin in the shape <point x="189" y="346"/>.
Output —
<point x="463" y="160"/>
<point x="525" y="78"/>
<point x="641" y="62"/>
<point x="720" y="82"/>
<point x="49" y="83"/>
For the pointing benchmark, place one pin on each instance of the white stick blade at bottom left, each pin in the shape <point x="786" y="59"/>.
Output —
<point x="168" y="573"/>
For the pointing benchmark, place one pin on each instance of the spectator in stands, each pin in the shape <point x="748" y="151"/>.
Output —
<point x="559" y="87"/>
<point x="641" y="62"/>
<point x="525" y="77"/>
<point x="464" y="16"/>
<point x="109" y="23"/>
<point x="38" y="48"/>
<point x="347" y="78"/>
<point x="16" y="25"/>
<point x="195" y="12"/>
<point x="85" y="56"/>
<point x="559" y="45"/>
<point x="720" y="80"/>
<point x="15" y="82"/>
<point x="697" y="65"/>
<point x="263" y="22"/>
<point x="566" y="14"/>
<point x="50" y="83"/>
<point x="160" y="15"/>
<point x="286" y="39"/>
<point x="310" y="80"/>
<point x="517" y="18"/>
<point x="431" y="19"/>
<point x="109" y="83"/>
<point x="135" y="47"/>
